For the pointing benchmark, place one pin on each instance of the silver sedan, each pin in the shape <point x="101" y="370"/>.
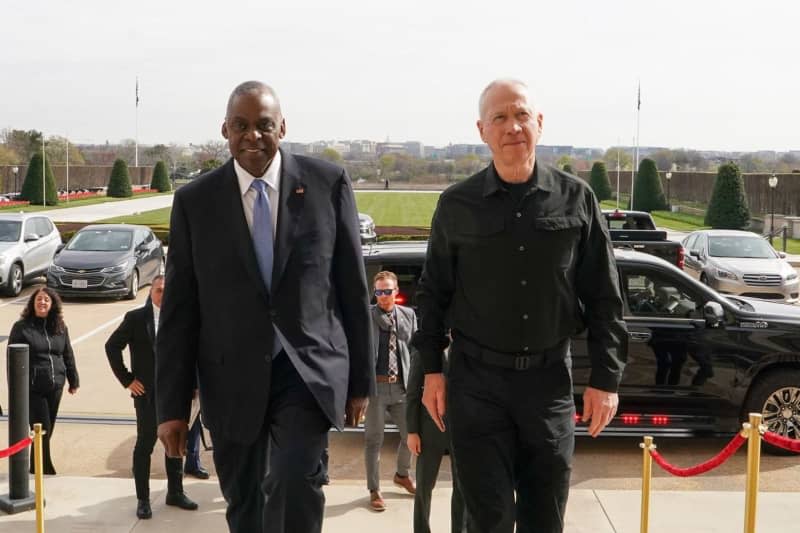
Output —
<point x="740" y="263"/>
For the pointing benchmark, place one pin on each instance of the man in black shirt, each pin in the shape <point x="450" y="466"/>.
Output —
<point x="518" y="260"/>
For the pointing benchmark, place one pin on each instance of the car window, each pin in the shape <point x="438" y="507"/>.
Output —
<point x="42" y="226"/>
<point x="30" y="227"/>
<point x="690" y="241"/>
<point x="148" y="238"/>
<point x="9" y="230"/>
<point x="740" y="247"/>
<point x="101" y="240"/>
<point x="700" y="245"/>
<point x="655" y="293"/>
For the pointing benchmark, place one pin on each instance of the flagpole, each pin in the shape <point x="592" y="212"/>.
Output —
<point x="67" y="169"/>
<point x="44" y="183"/>
<point x="136" y="140"/>
<point x="638" y="115"/>
<point x="618" y="149"/>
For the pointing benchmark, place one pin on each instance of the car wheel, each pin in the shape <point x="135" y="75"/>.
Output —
<point x="704" y="280"/>
<point x="134" y="286"/>
<point x="14" y="285"/>
<point x="776" y="395"/>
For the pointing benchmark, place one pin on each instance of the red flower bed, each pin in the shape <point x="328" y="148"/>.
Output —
<point x="77" y="195"/>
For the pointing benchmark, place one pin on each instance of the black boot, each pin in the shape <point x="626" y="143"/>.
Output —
<point x="143" y="510"/>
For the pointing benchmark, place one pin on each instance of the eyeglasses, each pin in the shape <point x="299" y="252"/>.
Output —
<point x="383" y="292"/>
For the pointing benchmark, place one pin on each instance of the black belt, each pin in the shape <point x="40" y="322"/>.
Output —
<point x="512" y="360"/>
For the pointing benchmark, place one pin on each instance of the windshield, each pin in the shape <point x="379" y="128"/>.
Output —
<point x="742" y="247"/>
<point x="9" y="230"/>
<point x="101" y="240"/>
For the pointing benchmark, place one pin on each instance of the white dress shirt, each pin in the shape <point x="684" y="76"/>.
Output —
<point x="273" y="178"/>
<point x="156" y="313"/>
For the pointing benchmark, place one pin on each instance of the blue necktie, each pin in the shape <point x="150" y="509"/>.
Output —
<point x="263" y="242"/>
<point x="262" y="231"/>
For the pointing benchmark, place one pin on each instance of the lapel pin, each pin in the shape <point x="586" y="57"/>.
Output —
<point x="300" y="190"/>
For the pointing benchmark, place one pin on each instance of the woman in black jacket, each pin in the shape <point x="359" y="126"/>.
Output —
<point x="51" y="362"/>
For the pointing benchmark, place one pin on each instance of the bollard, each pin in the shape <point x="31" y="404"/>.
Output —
<point x="38" y="462"/>
<point x="753" y="463"/>
<point x="647" y="474"/>
<point x="19" y="497"/>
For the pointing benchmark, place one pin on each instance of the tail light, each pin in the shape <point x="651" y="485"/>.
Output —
<point x="630" y="420"/>
<point x="659" y="420"/>
<point x="681" y="257"/>
<point x="400" y="298"/>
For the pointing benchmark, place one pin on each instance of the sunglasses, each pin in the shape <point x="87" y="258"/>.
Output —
<point x="383" y="292"/>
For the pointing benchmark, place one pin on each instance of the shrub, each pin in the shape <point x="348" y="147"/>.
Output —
<point x="647" y="192"/>
<point x="598" y="181"/>
<point x="728" y="207"/>
<point x="32" y="186"/>
<point x="119" y="183"/>
<point x="160" y="181"/>
<point x="568" y="169"/>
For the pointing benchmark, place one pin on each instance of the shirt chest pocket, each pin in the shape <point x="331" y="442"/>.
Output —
<point x="557" y="238"/>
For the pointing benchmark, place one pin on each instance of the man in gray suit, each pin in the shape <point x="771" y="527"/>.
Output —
<point x="392" y="327"/>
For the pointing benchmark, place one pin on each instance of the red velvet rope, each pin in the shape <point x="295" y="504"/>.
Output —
<point x="701" y="468"/>
<point x="16" y="448"/>
<point x="793" y="445"/>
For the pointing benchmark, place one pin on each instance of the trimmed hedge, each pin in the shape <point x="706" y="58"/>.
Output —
<point x="647" y="192"/>
<point x="598" y="181"/>
<point x="160" y="181"/>
<point x="119" y="183"/>
<point x="728" y="208"/>
<point x="32" y="186"/>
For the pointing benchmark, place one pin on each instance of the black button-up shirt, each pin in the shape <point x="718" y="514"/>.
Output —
<point x="519" y="276"/>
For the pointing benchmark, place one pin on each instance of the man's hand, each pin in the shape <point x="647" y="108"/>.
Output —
<point x="73" y="390"/>
<point x="414" y="443"/>
<point x="354" y="411"/>
<point x="173" y="436"/>
<point x="433" y="397"/>
<point x="136" y="387"/>
<point x="600" y="407"/>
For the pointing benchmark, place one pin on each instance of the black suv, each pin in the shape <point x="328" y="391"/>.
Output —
<point x="698" y="361"/>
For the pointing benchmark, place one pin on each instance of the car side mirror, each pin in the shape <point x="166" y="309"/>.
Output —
<point x="782" y="255"/>
<point x="713" y="313"/>
<point x="694" y="253"/>
<point x="30" y="237"/>
<point x="59" y="248"/>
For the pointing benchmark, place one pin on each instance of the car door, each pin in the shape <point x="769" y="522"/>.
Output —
<point x="691" y="265"/>
<point x="151" y="250"/>
<point x="675" y="361"/>
<point x="35" y="257"/>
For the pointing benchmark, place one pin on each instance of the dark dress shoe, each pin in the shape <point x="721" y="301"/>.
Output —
<point x="200" y="473"/>
<point x="179" y="499"/>
<point x="143" y="510"/>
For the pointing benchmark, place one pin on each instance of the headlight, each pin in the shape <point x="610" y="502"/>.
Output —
<point x="790" y="277"/>
<point x="725" y="274"/>
<point x="116" y="268"/>
<point x="55" y="268"/>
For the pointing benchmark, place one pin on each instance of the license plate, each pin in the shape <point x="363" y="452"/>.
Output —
<point x="79" y="284"/>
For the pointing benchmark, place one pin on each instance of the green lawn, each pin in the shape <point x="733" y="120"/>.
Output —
<point x="397" y="208"/>
<point x="156" y="217"/>
<point x="75" y="203"/>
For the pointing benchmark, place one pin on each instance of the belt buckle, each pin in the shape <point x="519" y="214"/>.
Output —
<point x="392" y="379"/>
<point x="522" y="362"/>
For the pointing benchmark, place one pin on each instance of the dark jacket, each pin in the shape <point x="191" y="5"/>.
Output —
<point x="137" y="332"/>
<point x="52" y="361"/>
<point x="217" y="314"/>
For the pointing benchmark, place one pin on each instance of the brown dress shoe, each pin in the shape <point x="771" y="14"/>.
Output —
<point x="405" y="483"/>
<point x="376" y="502"/>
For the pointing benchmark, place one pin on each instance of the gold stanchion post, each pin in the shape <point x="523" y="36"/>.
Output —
<point x="753" y="462"/>
<point x="38" y="477"/>
<point x="647" y="472"/>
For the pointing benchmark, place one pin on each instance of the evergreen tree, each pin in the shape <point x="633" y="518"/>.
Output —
<point x="598" y="181"/>
<point x="160" y="180"/>
<point x="568" y="169"/>
<point x="32" y="187"/>
<point x="119" y="183"/>
<point x="728" y="207"/>
<point x="647" y="192"/>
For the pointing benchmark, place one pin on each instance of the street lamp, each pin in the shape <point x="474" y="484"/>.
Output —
<point x="15" y="170"/>
<point x="668" y="175"/>
<point x="773" y="183"/>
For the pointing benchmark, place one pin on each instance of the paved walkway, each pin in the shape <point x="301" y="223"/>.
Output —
<point x="77" y="504"/>
<point x="91" y="213"/>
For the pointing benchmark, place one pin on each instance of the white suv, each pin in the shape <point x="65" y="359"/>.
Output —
<point x="28" y="243"/>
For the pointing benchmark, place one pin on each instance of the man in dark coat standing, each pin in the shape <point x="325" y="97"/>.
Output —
<point x="267" y="299"/>
<point x="138" y="332"/>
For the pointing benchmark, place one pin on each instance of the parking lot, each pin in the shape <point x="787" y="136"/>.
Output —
<point x="95" y="437"/>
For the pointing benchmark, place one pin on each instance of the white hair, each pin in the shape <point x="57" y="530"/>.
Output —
<point x="503" y="81"/>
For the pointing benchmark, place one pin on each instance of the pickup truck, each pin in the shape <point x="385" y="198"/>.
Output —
<point x="636" y="230"/>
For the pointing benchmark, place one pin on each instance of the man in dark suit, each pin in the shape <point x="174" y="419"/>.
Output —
<point x="279" y="333"/>
<point x="138" y="332"/>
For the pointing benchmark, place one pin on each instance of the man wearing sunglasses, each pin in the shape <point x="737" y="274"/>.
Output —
<point x="392" y="328"/>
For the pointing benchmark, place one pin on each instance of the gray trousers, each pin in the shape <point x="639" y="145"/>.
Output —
<point x="391" y="398"/>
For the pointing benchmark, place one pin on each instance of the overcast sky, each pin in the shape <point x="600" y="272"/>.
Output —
<point x="714" y="75"/>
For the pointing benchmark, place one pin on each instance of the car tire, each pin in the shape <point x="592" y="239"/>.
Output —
<point x="776" y="395"/>
<point x="134" y="286"/>
<point x="14" y="284"/>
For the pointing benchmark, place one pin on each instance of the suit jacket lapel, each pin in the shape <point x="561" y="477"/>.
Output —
<point x="290" y="207"/>
<point x="243" y="240"/>
<point x="149" y="323"/>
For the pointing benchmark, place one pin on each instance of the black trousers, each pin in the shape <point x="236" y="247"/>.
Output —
<point x="512" y="432"/>
<point x="146" y="427"/>
<point x="428" y="463"/>
<point x="275" y="483"/>
<point x="44" y="410"/>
